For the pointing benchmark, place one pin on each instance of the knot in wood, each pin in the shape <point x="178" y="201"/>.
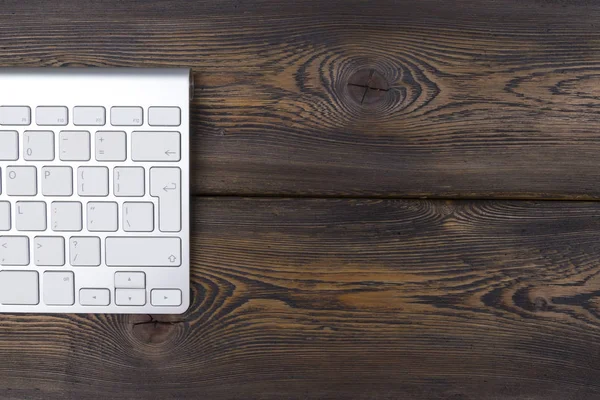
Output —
<point x="160" y="330"/>
<point x="368" y="87"/>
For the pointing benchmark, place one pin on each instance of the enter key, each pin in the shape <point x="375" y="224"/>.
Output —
<point x="165" y="183"/>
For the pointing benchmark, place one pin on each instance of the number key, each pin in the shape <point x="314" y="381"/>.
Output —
<point x="9" y="145"/>
<point x="38" y="145"/>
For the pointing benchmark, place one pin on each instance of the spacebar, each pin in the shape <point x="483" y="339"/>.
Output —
<point x="143" y="251"/>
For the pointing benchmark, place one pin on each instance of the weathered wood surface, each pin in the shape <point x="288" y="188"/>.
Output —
<point x="350" y="298"/>
<point x="485" y="98"/>
<point x="361" y="299"/>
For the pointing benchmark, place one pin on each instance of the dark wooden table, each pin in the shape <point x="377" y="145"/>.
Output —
<point x="392" y="200"/>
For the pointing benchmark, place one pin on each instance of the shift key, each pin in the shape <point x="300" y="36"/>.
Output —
<point x="143" y="251"/>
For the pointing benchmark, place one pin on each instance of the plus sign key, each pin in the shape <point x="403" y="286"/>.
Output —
<point x="111" y="146"/>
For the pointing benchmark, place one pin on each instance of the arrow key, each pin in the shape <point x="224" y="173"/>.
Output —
<point x="130" y="297"/>
<point x="94" y="297"/>
<point x="130" y="280"/>
<point x="166" y="297"/>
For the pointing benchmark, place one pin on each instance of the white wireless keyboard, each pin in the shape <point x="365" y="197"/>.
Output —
<point x="94" y="190"/>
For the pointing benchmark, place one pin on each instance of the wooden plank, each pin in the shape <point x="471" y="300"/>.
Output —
<point x="491" y="98"/>
<point x="361" y="299"/>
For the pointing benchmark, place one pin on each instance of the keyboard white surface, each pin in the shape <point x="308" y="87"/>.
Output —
<point x="94" y="190"/>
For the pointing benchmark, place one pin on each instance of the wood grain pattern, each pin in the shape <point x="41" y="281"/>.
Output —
<point x="339" y="299"/>
<point x="492" y="98"/>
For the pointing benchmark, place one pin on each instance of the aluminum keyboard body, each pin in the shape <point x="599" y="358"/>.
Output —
<point x="123" y="229"/>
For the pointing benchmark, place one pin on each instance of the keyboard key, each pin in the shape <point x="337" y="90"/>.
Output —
<point x="143" y="251"/>
<point x="126" y="116"/>
<point x="111" y="146"/>
<point x="130" y="280"/>
<point x="94" y="297"/>
<point x="57" y="181"/>
<point x="38" y="145"/>
<point x="165" y="297"/>
<point x="165" y="183"/>
<point x="102" y="217"/>
<point x="84" y="251"/>
<point x="94" y="116"/>
<point x="49" y="251"/>
<point x="130" y="297"/>
<point x="66" y="216"/>
<point x="31" y="216"/>
<point x="138" y="217"/>
<point x="129" y="181"/>
<point x="59" y="289"/>
<point x="74" y="146"/>
<point x="164" y="116"/>
<point x="92" y="181"/>
<point x="15" y="115"/>
<point x="5" y="223"/>
<point x="21" y="181"/>
<point x="14" y="250"/>
<point x="45" y="115"/>
<point x="19" y="287"/>
<point x="9" y="145"/>
<point x="155" y="146"/>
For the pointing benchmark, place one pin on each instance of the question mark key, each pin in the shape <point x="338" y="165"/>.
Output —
<point x="84" y="251"/>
